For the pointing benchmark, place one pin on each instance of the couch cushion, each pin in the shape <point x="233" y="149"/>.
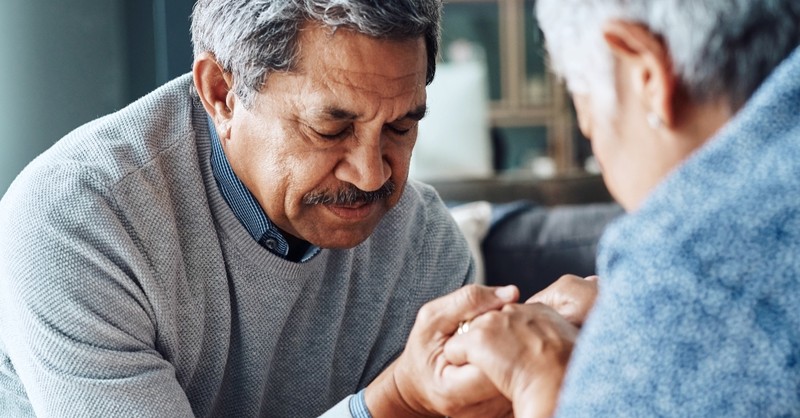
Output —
<point x="531" y="246"/>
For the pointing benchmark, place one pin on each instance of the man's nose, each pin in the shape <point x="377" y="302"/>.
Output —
<point x="365" y="165"/>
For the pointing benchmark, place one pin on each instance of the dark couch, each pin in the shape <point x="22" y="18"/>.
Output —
<point x="531" y="245"/>
<point x="540" y="229"/>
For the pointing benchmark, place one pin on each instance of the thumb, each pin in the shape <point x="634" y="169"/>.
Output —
<point x="443" y="315"/>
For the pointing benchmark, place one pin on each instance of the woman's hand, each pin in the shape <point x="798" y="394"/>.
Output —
<point x="422" y="383"/>
<point x="571" y="296"/>
<point x="523" y="350"/>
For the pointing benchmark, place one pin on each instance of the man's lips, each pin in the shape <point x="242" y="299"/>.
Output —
<point x="355" y="212"/>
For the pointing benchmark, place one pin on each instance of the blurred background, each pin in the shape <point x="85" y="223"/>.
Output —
<point x="500" y="125"/>
<point x="67" y="62"/>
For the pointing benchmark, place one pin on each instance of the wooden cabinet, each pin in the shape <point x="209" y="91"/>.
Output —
<point x="530" y="114"/>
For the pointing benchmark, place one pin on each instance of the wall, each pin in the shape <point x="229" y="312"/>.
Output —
<point x="62" y="63"/>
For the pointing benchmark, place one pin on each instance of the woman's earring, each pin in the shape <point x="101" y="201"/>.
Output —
<point x="654" y="121"/>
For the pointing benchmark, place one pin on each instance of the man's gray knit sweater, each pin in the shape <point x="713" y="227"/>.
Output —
<point x="129" y="288"/>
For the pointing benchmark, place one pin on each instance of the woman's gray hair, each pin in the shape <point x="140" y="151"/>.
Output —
<point x="252" y="38"/>
<point x="720" y="50"/>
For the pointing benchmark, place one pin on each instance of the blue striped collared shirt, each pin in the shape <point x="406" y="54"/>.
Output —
<point x="244" y="205"/>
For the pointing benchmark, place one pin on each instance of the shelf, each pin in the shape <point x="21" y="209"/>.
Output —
<point x="561" y="190"/>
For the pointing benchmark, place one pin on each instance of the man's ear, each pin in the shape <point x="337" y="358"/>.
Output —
<point x="651" y="66"/>
<point x="214" y="86"/>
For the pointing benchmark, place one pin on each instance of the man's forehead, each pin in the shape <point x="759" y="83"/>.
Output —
<point x="402" y="75"/>
<point x="352" y="57"/>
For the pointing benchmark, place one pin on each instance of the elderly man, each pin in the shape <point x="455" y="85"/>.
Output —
<point x="242" y="241"/>
<point x="693" y="110"/>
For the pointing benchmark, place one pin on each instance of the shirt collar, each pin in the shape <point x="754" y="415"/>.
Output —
<point x="244" y="205"/>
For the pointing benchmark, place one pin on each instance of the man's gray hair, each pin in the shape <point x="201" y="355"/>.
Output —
<point x="720" y="49"/>
<point x="252" y="38"/>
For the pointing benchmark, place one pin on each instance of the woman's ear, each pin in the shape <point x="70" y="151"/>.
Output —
<point x="650" y="65"/>
<point x="214" y="86"/>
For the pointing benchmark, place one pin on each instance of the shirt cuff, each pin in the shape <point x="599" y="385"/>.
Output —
<point x="340" y="410"/>
<point x="358" y="406"/>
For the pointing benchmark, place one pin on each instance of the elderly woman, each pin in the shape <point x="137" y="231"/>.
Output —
<point x="693" y="110"/>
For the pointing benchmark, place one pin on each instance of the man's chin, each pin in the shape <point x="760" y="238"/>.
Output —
<point x="341" y="241"/>
<point x="342" y="235"/>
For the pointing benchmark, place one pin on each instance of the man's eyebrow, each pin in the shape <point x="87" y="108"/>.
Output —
<point x="418" y="113"/>
<point x="336" y="113"/>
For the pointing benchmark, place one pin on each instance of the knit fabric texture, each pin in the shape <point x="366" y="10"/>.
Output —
<point x="129" y="289"/>
<point x="698" y="312"/>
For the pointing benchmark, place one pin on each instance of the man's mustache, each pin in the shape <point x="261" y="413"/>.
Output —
<point x="348" y="195"/>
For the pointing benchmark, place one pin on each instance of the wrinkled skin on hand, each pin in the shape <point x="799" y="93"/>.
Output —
<point x="421" y="382"/>
<point x="571" y="296"/>
<point x="524" y="351"/>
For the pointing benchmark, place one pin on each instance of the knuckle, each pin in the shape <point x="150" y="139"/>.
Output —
<point x="569" y="277"/>
<point x="471" y="294"/>
<point x="426" y="313"/>
<point x="510" y="308"/>
<point x="493" y="317"/>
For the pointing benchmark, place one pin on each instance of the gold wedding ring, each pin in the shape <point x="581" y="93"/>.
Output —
<point x="463" y="327"/>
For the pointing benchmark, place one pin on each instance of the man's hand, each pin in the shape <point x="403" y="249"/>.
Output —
<point x="421" y="382"/>
<point x="571" y="296"/>
<point x="523" y="350"/>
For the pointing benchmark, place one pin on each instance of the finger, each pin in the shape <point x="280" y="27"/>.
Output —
<point x="561" y="290"/>
<point x="456" y="350"/>
<point x="550" y="293"/>
<point x="493" y="357"/>
<point x="443" y="315"/>
<point x="543" y="296"/>
<point x="466" y="348"/>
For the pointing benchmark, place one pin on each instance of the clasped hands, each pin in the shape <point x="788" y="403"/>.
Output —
<point x="510" y="362"/>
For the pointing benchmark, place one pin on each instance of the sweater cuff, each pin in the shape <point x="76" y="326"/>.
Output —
<point x="358" y="405"/>
<point x="353" y="406"/>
